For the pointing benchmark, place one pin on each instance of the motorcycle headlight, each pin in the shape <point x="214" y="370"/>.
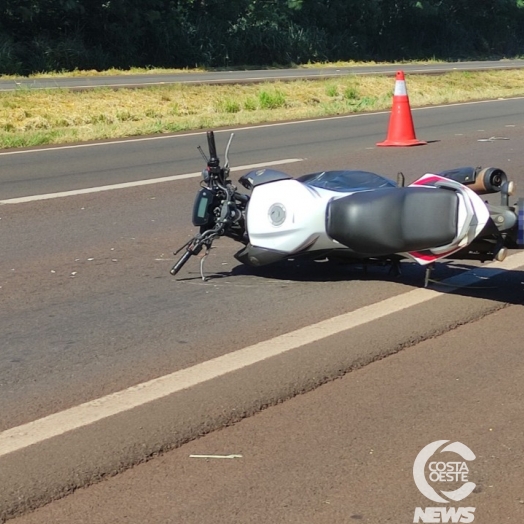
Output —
<point x="201" y="207"/>
<point x="205" y="175"/>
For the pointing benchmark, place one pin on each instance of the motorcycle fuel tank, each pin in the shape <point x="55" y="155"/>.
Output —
<point x="290" y="217"/>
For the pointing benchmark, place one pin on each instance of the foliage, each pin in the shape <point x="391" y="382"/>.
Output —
<point x="31" y="117"/>
<point x="51" y="35"/>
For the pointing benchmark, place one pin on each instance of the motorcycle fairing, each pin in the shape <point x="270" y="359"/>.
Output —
<point x="201" y="207"/>
<point x="473" y="217"/>
<point x="259" y="256"/>
<point x="428" y="220"/>
<point x="520" y="220"/>
<point x="346" y="181"/>
<point x="262" y="176"/>
<point x="289" y="216"/>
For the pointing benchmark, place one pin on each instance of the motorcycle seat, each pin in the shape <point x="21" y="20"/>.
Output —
<point x="394" y="220"/>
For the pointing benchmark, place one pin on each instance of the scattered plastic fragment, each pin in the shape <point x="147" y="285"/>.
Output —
<point x="216" y="456"/>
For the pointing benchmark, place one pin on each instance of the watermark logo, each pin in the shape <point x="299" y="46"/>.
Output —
<point x="440" y="471"/>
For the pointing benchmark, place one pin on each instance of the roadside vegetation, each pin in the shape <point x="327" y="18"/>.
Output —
<point x="53" y="35"/>
<point x="32" y="118"/>
<point x="100" y="37"/>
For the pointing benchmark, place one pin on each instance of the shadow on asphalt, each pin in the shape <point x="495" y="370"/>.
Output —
<point x="506" y="287"/>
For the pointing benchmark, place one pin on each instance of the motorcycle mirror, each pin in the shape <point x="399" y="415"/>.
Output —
<point x="227" y="150"/>
<point x="202" y="153"/>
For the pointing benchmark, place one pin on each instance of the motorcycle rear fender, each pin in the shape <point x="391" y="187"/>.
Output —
<point x="473" y="217"/>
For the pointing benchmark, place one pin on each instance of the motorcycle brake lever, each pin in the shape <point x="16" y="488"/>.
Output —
<point x="184" y="246"/>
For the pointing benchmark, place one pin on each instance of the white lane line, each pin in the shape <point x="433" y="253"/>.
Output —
<point x="310" y="75"/>
<point x="124" y="185"/>
<point x="20" y="437"/>
<point x="305" y="75"/>
<point x="184" y="135"/>
<point x="245" y="128"/>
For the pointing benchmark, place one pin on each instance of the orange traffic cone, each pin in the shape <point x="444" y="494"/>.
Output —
<point x="401" y="131"/>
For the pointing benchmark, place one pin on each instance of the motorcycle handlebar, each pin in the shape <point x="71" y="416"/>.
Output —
<point x="194" y="246"/>
<point x="212" y="146"/>
<point x="183" y="259"/>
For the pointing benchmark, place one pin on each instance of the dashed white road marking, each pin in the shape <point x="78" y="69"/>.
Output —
<point x="124" y="185"/>
<point x="20" y="437"/>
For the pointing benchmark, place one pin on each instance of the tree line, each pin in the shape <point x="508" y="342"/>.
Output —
<point x="56" y="35"/>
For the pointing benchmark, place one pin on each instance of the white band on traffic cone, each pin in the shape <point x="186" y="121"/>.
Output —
<point x="400" y="88"/>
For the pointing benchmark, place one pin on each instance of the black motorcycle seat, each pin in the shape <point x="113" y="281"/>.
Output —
<point x="394" y="220"/>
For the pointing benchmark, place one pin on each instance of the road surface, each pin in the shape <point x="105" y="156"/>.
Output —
<point x="344" y="452"/>
<point x="89" y="308"/>
<point x="250" y="76"/>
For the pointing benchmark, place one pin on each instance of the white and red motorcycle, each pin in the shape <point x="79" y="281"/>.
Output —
<point x="354" y="215"/>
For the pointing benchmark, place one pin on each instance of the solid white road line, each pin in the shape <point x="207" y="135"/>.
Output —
<point x="311" y="74"/>
<point x="124" y="185"/>
<point x="245" y="128"/>
<point x="17" y="438"/>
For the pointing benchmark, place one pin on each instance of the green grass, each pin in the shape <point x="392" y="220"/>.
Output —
<point x="34" y="118"/>
<point x="271" y="99"/>
<point x="154" y="70"/>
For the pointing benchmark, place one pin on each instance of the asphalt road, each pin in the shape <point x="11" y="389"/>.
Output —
<point x="89" y="307"/>
<point x="325" y="142"/>
<point x="263" y="75"/>
<point x="344" y="452"/>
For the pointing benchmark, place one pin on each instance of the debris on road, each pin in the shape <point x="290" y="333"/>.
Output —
<point x="216" y="456"/>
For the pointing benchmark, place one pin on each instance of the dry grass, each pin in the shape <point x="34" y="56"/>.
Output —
<point x="58" y="116"/>
<point x="155" y="70"/>
<point x="107" y="72"/>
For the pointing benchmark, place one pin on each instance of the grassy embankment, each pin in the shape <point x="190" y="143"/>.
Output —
<point x="31" y="118"/>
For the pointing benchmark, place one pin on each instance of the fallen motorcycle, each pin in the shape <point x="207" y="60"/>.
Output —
<point x="354" y="216"/>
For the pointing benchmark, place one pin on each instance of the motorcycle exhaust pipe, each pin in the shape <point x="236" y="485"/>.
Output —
<point x="489" y="180"/>
<point x="482" y="181"/>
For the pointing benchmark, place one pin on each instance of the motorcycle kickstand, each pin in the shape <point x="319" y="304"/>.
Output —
<point x="202" y="260"/>
<point x="427" y="276"/>
<point x="395" y="269"/>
